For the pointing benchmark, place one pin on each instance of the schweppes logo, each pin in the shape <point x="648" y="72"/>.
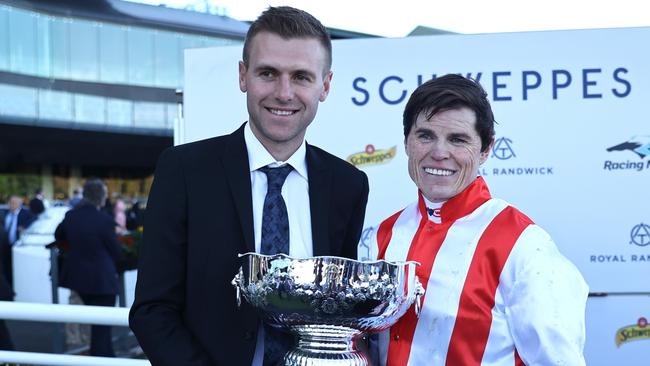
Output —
<point x="635" y="332"/>
<point x="372" y="157"/>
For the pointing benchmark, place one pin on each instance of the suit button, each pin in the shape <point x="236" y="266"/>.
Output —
<point x="248" y="335"/>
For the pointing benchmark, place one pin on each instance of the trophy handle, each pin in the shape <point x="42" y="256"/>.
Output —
<point x="237" y="282"/>
<point x="419" y="292"/>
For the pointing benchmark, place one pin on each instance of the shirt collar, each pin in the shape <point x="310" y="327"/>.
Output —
<point x="259" y="157"/>
<point x="462" y="204"/>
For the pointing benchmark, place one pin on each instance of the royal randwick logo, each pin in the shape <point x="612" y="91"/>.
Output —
<point x="637" y="145"/>
<point x="506" y="164"/>
<point x="364" y="244"/>
<point x="372" y="156"/>
<point x="634" y="332"/>
<point x="502" y="149"/>
<point x="640" y="235"/>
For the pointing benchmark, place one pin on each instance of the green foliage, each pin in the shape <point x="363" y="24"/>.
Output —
<point x="23" y="185"/>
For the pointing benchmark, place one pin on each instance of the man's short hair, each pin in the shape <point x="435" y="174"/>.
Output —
<point x="451" y="92"/>
<point x="288" y="23"/>
<point x="94" y="192"/>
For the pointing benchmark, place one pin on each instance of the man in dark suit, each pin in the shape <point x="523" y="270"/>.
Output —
<point x="207" y="203"/>
<point x="6" y="294"/>
<point x="37" y="204"/>
<point x="15" y="220"/>
<point x="90" y="263"/>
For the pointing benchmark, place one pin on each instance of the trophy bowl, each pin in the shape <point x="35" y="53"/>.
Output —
<point x="327" y="302"/>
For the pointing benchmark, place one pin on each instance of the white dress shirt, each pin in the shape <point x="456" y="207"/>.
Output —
<point x="295" y="193"/>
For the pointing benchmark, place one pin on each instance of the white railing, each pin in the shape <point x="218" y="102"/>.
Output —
<point x="83" y="314"/>
<point x="50" y="359"/>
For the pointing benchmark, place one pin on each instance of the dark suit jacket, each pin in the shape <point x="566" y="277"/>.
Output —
<point x="89" y="266"/>
<point x="199" y="217"/>
<point x="36" y="206"/>
<point x="25" y="219"/>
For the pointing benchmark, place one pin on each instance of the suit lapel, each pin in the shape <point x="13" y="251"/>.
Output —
<point x="235" y="161"/>
<point x="320" y="177"/>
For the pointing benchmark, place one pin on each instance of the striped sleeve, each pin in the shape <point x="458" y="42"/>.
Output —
<point x="545" y="298"/>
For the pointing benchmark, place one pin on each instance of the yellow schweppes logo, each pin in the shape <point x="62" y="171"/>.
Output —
<point x="371" y="156"/>
<point x="635" y="332"/>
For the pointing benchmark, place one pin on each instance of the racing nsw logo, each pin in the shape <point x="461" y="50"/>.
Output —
<point x="639" y="145"/>
<point x="502" y="149"/>
<point x="640" y="235"/>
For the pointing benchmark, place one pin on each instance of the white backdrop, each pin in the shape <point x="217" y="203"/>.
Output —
<point x="561" y="100"/>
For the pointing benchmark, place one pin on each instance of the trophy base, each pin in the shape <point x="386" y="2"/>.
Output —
<point x="300" y="357"/>
<point x="325" y="345"/>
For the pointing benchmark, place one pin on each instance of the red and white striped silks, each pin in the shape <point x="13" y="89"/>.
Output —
<point x="498" y="292"/>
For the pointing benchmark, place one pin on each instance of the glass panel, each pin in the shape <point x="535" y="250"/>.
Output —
<point x="60" y="48"/>
<point x="22" y="42"/>
<point x="191" y="41"/>
<point x="55" y="105"/>
<point x="119" y="112"/>
<point x="43" y="45"/>
<point x="147" y="114"/>
<point x="17" y="101"/>
<point x="4" y="38"/>
<point x="140" y="56"/>
<point x="112" y="53"/>
<point x="89" y="108"/>
<point x="84" y="52"/>
<point x="167" y="60"/>
<point x="213" y="42"/>
<point x="172" y="114"/>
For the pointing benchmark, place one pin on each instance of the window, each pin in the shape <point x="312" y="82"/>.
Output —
<point x="22" y="42"/>
<point x="89" y="109"/>
<point x="84" y="50"/>
<point x="149" y="115"/>
<point x="4" y="38"/>
<point x="112" y="53"/>
<point x="140" y="56"/>
<point x="168" y="60"/>
<point x="119" y="112"/>
<point x="55" y="105"/>
<point x="17" y="101"/>
<point x="60" y="48"/>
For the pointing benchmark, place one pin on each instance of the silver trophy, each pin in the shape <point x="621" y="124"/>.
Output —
<point x="327" y="302"/>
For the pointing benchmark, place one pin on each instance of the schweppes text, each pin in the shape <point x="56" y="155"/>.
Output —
<point x="633" y="332"/>
<point x="372" y="156"/>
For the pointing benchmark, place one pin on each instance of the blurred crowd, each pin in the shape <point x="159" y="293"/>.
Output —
<point x="90" y="230"/>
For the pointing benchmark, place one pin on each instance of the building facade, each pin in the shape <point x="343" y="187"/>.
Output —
<point x="89" y="88"/>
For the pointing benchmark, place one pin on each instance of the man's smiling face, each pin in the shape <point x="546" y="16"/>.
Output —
<point x="444" y="153"/>
<point x="284" y="81"/>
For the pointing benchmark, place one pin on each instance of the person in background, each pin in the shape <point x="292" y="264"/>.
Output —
<point x="90" y="264"/>
<point x="15" y="220"/>
<point x="260" y="189"/>
<point x="498" y="291"/>
<point x="6" y="294"/>
<point x="119" y="215"/>
<point x="76" y="197"/>
<point x="134" y="215"/>
<point x="37" y="204"/>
